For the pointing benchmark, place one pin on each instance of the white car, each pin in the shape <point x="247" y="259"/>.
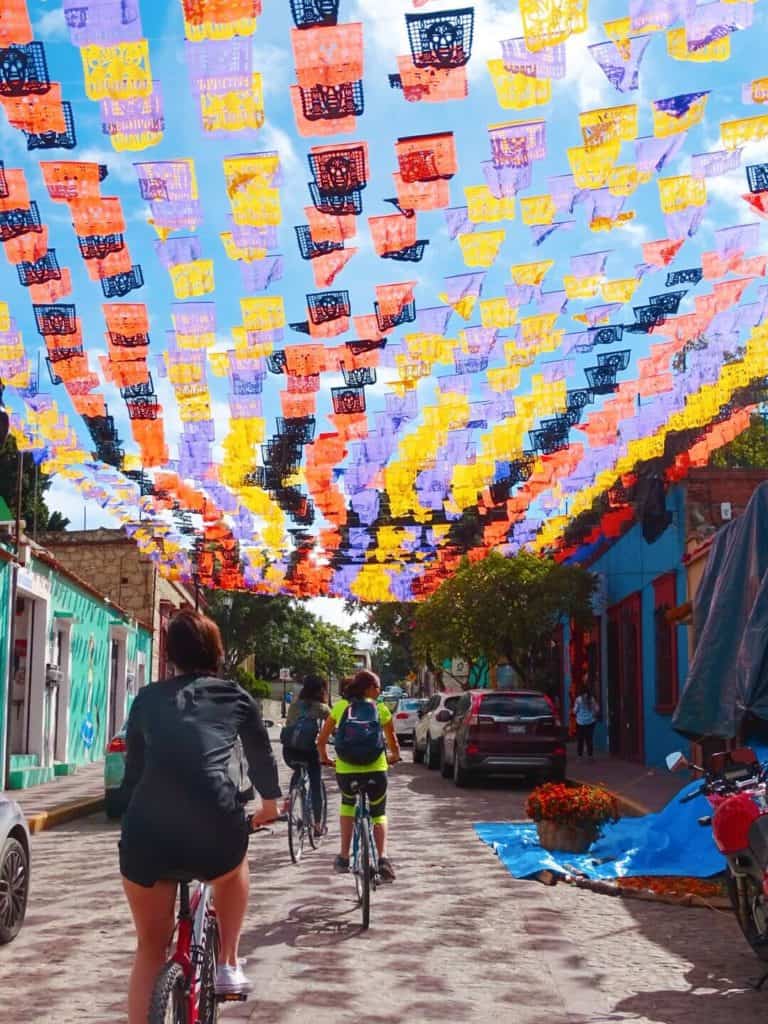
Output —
<point x="406" y="716"/>
<point x="427" y="736"/>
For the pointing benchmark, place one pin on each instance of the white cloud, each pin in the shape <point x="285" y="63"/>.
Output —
<point x="276" y="138"/>
<point x="583" y="76"/>
<point x="64" y="497"/>
<point x="331" y="609"/>
<point x="51" y="25"/>
<point x="276" y="66"/>
<point x="637" y="231"/>
<point x="728" y="190"/>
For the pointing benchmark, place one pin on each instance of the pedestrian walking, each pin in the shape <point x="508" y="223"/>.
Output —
<point x="587" y="711"/>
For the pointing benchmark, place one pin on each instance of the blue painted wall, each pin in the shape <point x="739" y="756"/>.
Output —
<point x="631" y="565"/>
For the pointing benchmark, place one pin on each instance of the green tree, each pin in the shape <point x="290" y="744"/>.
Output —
<point x="250" y="624"/>
<point x="34" y="509"/>
<point x="392" y="625"/>
<point x="278" y="632"/>
<point x="747" y="451"/>
<point x="503" y="607"/>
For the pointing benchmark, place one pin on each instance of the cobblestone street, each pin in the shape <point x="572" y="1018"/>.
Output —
<point x="455" y="938"/>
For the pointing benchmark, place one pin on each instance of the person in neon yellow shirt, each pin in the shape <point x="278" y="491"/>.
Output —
<point x="365" y="686"/>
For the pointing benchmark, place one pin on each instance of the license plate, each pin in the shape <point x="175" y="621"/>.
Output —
<point x="516" y="728"/>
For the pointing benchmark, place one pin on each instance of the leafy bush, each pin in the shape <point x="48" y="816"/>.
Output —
<point x="258" y="688"/>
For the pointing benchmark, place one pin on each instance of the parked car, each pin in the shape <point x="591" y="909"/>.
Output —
<point x="14" y="868"/>
<point x="406" y="715"/>
<point x="503" y="732"/>
<point x="427" y="735"/>
<point x="114" y="773"/>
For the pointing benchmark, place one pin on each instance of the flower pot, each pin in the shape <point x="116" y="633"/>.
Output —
<point x="567" y="838"/>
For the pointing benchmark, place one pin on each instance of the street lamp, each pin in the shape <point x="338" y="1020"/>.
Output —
<point x="283" y="645"/>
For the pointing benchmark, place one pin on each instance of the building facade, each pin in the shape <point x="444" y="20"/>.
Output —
<point x="634" y="656"/>
<point x="111" y="561"/>
<point x="71" y="662"/>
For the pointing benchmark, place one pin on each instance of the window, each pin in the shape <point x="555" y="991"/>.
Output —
<point x="665" y="632"/>
<point x="459" y="705"/>
<point x="519" y="706"/>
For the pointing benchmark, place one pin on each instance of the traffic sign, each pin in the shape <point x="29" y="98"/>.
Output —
<point x="285" y="675"/>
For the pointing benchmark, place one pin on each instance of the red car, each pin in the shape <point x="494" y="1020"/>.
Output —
<point x="503" y="732"/>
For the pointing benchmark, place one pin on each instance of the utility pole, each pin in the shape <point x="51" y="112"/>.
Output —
<point x="12" y="613"/>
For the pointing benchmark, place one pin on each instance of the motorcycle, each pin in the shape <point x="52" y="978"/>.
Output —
<point x="736" y="786"/>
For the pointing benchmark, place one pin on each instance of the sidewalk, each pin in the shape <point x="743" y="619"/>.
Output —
<point x="641" y="790"/>
<point x="66" y="798"/>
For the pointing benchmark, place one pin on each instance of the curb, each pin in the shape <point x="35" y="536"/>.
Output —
<point x="69" y="811"/>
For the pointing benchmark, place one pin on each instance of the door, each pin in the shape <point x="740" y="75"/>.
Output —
<point x="53" y="676"/>
<point x="625" y="682"/>
<point x="20" y="677"/>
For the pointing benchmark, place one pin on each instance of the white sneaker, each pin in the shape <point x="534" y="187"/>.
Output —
<point x="230" y="980"/>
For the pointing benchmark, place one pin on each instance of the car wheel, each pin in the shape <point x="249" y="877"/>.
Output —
<point x="460" y="775"/>
<point x="445" y="768"/>
<point x="114" y="805"/>
<point x="14" y="888"/>
<point x="430" y="757"/>
<point x="418" y="755"/>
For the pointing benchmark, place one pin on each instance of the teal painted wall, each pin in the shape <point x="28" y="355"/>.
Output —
<point x="139" y="642"/>
<point x="90" y="649"/>
<point x="6" y="574"/>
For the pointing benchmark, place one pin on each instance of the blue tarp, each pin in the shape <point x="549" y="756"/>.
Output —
<point x="668" y="843"/>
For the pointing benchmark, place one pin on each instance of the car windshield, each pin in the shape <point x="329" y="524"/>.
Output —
<point x="524" y="705"/>
<point x="451" y="703"/>
<point x="409" y="705"/>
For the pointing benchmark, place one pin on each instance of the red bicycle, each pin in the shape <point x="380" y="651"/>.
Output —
<point x="184" y="992"/>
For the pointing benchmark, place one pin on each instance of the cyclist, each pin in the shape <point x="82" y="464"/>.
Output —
<point x="184" y="817"/>
<point x="363" y="689"/>
<point x="299" y="738"/>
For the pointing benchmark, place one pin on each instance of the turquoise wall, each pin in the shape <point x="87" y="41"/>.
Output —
<point x="6" y="575"/>
<point x="139" y="642"/>
<point x="629" y="566"/>
<point x="90" y="647"/>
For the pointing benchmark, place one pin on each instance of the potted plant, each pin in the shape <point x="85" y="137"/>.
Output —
<point x="569" y="817"/>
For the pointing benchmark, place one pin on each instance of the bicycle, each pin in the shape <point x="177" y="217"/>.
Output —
<point x="364" y="864"/>
<point x="184" y="991"/>
<point x="301" y="814"/>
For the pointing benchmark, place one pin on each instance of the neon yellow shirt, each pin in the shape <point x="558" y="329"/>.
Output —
<point x="380" y="764"/>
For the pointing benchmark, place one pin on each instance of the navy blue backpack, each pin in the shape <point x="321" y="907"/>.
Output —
<point x="359" y="736"/>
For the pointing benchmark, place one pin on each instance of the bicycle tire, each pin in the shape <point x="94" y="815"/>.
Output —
<point x="316" y="840"/>
<point x="169" y="994"/>
<point x="296" y="825"/>
<point x="208" y="1010"/>
<point x="365" y="877"/>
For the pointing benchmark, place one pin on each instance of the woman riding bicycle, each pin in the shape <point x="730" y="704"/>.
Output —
<point x="184" y="817"/>
<point x="362" y="689"/>
<point x="302" y="724"/>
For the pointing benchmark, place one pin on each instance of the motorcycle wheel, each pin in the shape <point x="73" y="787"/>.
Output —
<point x="757" y="939"/>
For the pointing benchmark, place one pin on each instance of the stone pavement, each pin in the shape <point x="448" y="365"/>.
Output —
<point x="455" y="938"/>
<point x="641" y="790"/>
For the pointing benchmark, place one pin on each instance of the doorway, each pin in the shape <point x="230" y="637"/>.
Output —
<point x="625" y="680"/>
<point x="28" y="698"/>
<point x="117" y="680"/>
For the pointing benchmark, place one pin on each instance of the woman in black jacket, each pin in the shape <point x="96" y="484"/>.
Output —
<point x="184" y="816"/>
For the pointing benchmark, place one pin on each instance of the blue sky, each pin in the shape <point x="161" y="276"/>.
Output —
<point x="387" y="116"/>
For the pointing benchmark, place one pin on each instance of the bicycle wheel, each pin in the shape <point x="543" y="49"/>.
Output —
<point x="169" y="998"/>
<point x="296" y="824"/>
<point x="208" y="1011"/>
<point x="364" y="892"/>
<point x="314" y="838"/>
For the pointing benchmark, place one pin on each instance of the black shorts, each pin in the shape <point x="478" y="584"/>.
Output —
<point x="205" y="850"/>
<point x="373" y="783"/>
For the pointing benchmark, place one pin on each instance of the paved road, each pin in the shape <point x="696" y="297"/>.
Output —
<point x="456" y="938"/>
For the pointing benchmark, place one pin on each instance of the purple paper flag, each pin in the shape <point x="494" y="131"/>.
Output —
<point x="433" y="319"/>
<point x="546" y="63"/>
<point x="621" y="69"/>
<point x="183" y="249"/>
<point x="518" y="144"/>
<point x="461" y="286"/>
<point x="739" y="238"/>
<point x="652" y="154"/>
<point x="709" y="22"/>
<point x="589" y="264"/>
<point x="505" y="182"/>
<point x="661" y="13"/>
<point x="521" y="294"/>
<point x="458" y="222"/>
<point x="194" y="318"/>
<point x="711" y="165"/>
<point x="684" y="223"/>
<point x="564" y="192"/>
<point x="220" y="65"/>
<point x="248" y="237"/>
<point x="605" y="204"/>
<point x="598" y="314"/>
<point x="260" y="274"/>
<point x="480" y="340"/>
<point x="552" y="302"/>
<point x="102" y="22"/>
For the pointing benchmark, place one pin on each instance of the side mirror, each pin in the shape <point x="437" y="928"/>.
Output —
<point x="676" y="761"/>
<point x="268" y="723"/>
<point x="443" y="715"/>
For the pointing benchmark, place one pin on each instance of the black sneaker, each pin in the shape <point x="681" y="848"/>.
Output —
<point x="341" y="865"/>
<point x="386" y="870"/>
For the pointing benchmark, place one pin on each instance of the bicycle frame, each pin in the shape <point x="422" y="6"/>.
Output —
<point x="194" y="910"/>
<point x="363" y="820"/>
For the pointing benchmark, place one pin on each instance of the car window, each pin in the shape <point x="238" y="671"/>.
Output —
<point x="453" y="703"/>
<point x="409" y="705"/>
<point x="515" y="705"/>
<point x="434" y="701"/>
